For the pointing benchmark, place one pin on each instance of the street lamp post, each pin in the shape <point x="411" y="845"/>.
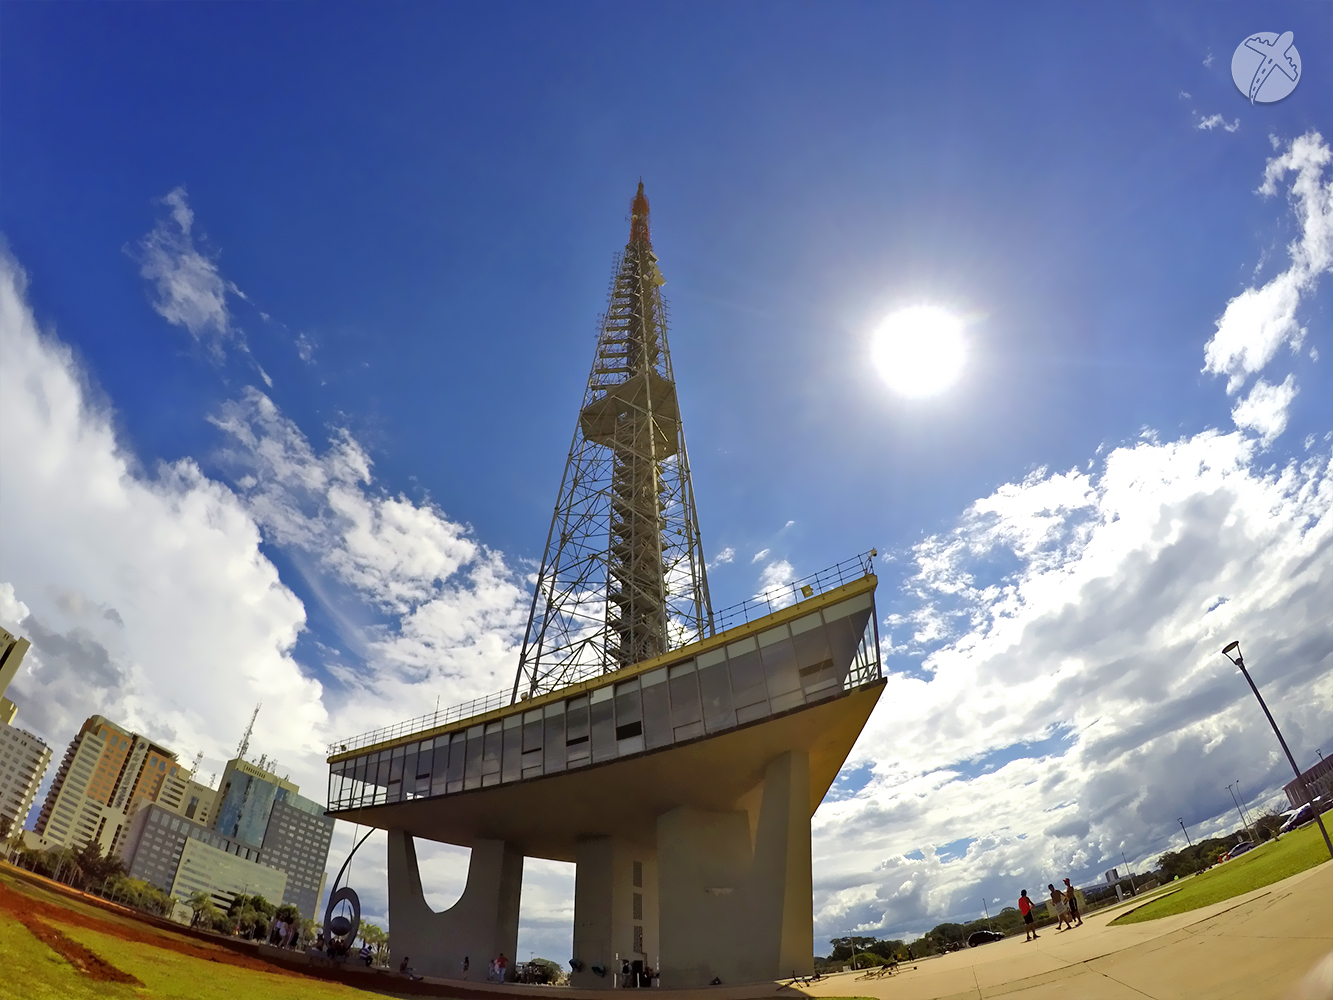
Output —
<point x="1236" y="802"/>
<point x="1181" y="821"/>
<point x="1239" y="661"/>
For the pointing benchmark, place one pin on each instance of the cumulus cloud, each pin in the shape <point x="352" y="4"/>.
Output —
<point x="1055" y="694"/>
<point x="1259" y="321"/>
<point x="144" y="591"/>
<point x="148" y="597"/>
<point x="1264" y="410"/>
<point x="1123" y="587"/>
<point x="722" y="558"/>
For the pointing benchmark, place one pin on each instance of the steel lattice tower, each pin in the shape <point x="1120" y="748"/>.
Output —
<point x="623" y="576"/>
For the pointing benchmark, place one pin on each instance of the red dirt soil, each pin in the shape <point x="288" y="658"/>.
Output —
<point x="23" y="908"/>
<point x="91" y="964"/>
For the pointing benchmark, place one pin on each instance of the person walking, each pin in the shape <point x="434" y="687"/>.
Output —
<point x="1072" y="899"/>
<point x="1029" y="924"/>
<point x="1060" y="908"/>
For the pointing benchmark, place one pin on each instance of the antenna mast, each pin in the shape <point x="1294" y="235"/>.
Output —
<point x="245" y="740"/>
<point x="623" y="577"/>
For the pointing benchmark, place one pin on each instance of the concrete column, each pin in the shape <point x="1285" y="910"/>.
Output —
<point x="480" y="926"/>
<point x="735" y="908"/>
<point x="610" y="924"/>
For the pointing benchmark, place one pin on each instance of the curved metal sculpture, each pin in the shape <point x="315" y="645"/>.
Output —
<point x="340" y="927"/>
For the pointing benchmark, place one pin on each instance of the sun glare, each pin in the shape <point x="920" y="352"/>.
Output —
<point x="919" y="351"/>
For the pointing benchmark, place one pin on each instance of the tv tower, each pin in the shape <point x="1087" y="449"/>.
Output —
<point x="623" y="578"/>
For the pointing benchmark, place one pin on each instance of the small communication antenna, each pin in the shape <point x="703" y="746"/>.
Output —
<point x="198" y="759"/>
<point x="245" y="740"/>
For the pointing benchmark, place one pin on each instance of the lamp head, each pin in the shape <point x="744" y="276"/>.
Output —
<point x="1231" y="647"/>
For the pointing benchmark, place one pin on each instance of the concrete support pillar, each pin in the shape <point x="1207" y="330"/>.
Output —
<point x="735" y="908"/>
<point x="480" y="926"/>
<point x="615" y="909"/>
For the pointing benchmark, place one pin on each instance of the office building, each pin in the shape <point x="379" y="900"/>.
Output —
<point x="245" y="799"/>
<point x="23" y="762"/>
<point x="107" y="774"/>
<point x="182" y="856"/>
<point x="1317" y="780"/>
<point x="259" y="821"/>
<point x="297" y="841"/>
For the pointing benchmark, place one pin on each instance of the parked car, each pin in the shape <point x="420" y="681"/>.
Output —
<point x="1238" y="850"/>
<point x="983" y="937"/>
<point x="1300" y="817"/>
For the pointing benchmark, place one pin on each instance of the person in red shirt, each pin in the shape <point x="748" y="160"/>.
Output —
<point x="1025" y="908"/>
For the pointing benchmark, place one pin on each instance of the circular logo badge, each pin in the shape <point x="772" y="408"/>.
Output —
<point x="1266" y="66"/>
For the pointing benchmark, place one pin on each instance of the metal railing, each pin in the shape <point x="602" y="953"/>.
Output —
<point x="773" y="599"/>
<point x="422" y="723"/>
<point x="784" y="595"/>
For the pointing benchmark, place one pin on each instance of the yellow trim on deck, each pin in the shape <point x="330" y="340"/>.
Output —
<point x="798" y="610"/>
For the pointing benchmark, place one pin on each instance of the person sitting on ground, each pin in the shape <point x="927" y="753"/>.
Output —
<point x="366" y="954"/>
<point x="1029" y="923"/>
<point x="406" y="970"/>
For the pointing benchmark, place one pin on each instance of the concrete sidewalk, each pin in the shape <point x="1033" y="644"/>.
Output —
<point x="1257" y="945"/>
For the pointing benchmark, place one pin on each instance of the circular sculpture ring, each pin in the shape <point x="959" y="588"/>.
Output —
<point x="345" y="894"/>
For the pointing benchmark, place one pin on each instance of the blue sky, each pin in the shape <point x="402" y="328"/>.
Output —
<point x="384" y="235"/>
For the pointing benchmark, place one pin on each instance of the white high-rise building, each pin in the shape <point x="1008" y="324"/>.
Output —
<point x="23" y="762"/>
<point x="107" y="774"/>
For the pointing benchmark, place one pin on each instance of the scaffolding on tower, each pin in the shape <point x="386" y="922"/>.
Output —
<point x="623" y="577"/>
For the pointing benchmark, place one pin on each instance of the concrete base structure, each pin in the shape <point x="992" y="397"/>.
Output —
<point x="477" y="928"/>
<point x="735" y="887"/>
<point x="681" y="788"/>
<point x="615" y="910"/>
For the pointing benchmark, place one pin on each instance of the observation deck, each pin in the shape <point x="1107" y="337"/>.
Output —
<point x="798" y="668"/>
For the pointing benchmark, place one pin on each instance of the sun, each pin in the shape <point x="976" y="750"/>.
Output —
<point x="919" y="351"/>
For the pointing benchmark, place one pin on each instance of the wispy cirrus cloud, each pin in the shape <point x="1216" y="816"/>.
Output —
<point x="189" y="290"/>
<point x="1259" y="321"/>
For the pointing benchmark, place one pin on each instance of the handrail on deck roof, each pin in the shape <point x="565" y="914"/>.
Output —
<point x="773" y="599"/>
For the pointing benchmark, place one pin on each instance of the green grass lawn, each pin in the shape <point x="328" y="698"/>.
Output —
<point x="1264" y="865"/>
<point x="33" y="971"/>
<point x="30" y="970"/>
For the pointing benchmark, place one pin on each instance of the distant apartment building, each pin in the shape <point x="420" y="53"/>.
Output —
<point x="23" y="762"/>
<point x="259" y="821"/>
<point x="12" y="650"/>
<point x="106" y="775"/>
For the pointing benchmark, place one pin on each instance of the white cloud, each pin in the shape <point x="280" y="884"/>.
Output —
<point x="445" y="607"/>
<point x="1208" y="60"/>
<point x="1124" y="587"/>
<point x="761" y="554"/>
<point x="1213" y="121"/>
<point x="722" y="558"/>
<point x="1264" y="410"/>
<point x="1259" y="321"/>
<point x="191" y="292"/>
<point x="147" y="596"/>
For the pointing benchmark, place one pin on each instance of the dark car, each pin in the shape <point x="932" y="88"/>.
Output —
<point x="1300" y="817"/>
<point x="983" y="937"/>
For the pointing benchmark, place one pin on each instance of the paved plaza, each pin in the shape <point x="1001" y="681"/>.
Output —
<point x="1258" y="945"/>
